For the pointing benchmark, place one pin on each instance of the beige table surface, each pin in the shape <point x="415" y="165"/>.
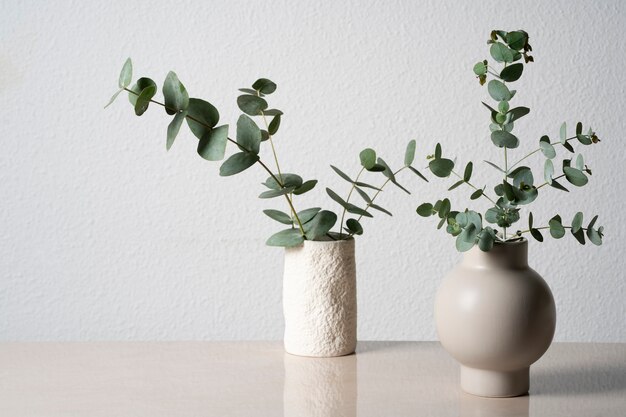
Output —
<point x="258" y="379"/>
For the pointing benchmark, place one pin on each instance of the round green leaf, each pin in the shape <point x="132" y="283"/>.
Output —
<point x="212" y="146"/>
<point x="546" y="148"/>
<point x="237" y="163"/>
<point x="248" y="134"/>
<point x="320" y="225"/>
<point x="476" y="194"/>
<point x="264" y="86"/>
<point x="143" y="100"/>
<point x="504" y="139"/>
<point x="251" y="105"/>
<point x="512" y="72"/>
<point x="368" y="158"/>
<point x="467" y="239"/>
<point x="276" y="193"/>
<point x="138" y="87"/>
<point x="498" y="91"/>
<point x="486" y="239"/>
<point x="516" y="39"/>
<point x="354" y="226"/>
<point x="536" y="234"/>
<point x="441" y="167"/>
<point x="425" y="210"/>
<point x="480" y="68"/>
<point x="202" y="116"/>
<point x="286" y="238"/>
<point x="175" y="94"/>
<point x="308" y="214"/>
<point x="575" y="176"/>
<point x="501" y="52"/>
<point x="557" y="230"/>
<point x="503" y="106"/>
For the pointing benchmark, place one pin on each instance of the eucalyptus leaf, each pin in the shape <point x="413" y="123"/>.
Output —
<point x="366" y="185"/>
<point x="441" y="167"/>
<point x="138" y="87"/>
<point x="409" y="155"/>
<point x="368" y="158"/>
<point x="238" y="162"/>
<point x="579" y="235"/>
<point x="286" y="238"/>
<point x="546" y="148"/>
<point x="557" y="230"/>
<point x="126" y="75"/>
<point x="575" y="176"/>
<point x="202" y="116"/>
<point x="456" y="184"/>
<point x="480" y="68"/>
<point x="354" y="226"/>
<point x="264" y="86"/>
<point x="251" y="105"/>
<point x="495" y="166"/>
<point x="467" y="239"/>
<point x="498" y="91"/>
<point x="113" y="97"/>
<point x="558" y="186"/>
<point x="501" y="52"/>
<point x="305" y="187"/>
<point x="425" y="210"/>
<point x="248" y="134"/>
<point x="419" y="174"/>
<point x="308" y="214"/>
<point x="577" y="222"/>
<point x="175" y="94"/>
<point x="286" y="180"/>
<point x="548" y="171"/>
<point x="512" y="72"/>
<point x="143" y="100"/>
<point x="486" y="239"/>
<point x="274" y="125"/>
<point x="212" y="146"/>
<point x="342" y="174"/>
<point x="563" y="132"/>
<point x="517" y="113"/>
<point x="276" y="193"/>
<point x="503" y="139"/>
<point x="536" y="234"/>
<point x="379" y="208"/>
<point x="320" y="224"/>
<point x="467" y="174"/>
<point x="173" y="128"/>
<point x="279" y="216"/>
<point x="476" y="194"/>
<point x="363" y="195"/>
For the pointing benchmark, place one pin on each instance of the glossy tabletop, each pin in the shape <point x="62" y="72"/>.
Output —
<point x="258" y="379"/>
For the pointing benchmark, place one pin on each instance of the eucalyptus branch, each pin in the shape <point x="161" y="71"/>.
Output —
<point x="259" y="161"/>
<point x="546" y="183"/>
<point x="380" y="189"/>
<point x="558" y="142"/>
<point x="343" y="212"/>
<point x="474" y="187"/>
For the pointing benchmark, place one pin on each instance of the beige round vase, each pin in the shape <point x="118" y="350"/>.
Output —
<point x="496" y="316"/>
<point x="319" y="298"/>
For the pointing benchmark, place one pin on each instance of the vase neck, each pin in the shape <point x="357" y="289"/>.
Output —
<point x="502" y="255"/>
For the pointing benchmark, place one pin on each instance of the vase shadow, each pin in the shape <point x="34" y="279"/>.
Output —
<point x="584" y="380"/>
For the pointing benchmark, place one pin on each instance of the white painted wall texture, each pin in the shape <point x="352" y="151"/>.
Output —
<point x="104" y="235"/>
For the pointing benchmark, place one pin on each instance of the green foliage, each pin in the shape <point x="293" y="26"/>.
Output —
<point x="511" y="53"/>
<point x="202" y="118"/>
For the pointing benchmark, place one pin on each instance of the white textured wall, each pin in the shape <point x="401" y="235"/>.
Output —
<point x="104" y="235"/>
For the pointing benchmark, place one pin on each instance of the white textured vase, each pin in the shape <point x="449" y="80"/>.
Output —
<point x="319" y="298"/>
<point x="496" y="316"/>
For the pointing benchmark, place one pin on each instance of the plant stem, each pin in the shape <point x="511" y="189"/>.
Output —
<point x="555" y="178"/>
<point x="506" y="173"/>
<point x="343" y="213"/>
<point x="547" y="227"/>
<point x="539" y="149"/>
<point x="269" y="171"/>
<point x="475" y="188"/>
<point x="376" y="194"/>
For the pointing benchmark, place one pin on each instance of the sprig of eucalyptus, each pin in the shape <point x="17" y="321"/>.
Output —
<point x="369" y="163"/>
<point x="517" y="188"/>
<point x="203" y="119"/>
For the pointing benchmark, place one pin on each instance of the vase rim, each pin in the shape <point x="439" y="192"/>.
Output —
<point x="329" y="241"/>
<point x="521" y="241"/>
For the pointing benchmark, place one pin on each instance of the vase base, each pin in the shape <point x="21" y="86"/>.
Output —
<point x="486" y="383"/>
